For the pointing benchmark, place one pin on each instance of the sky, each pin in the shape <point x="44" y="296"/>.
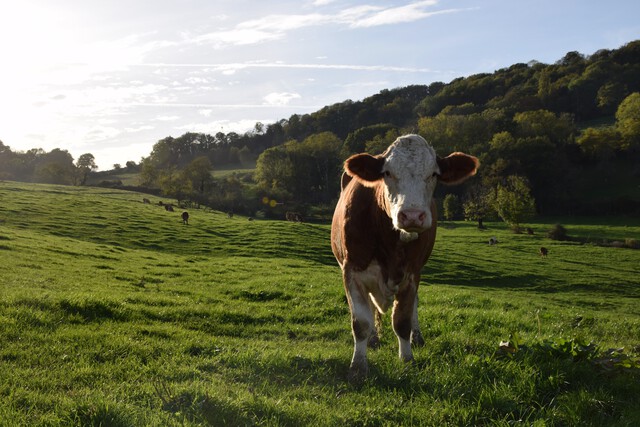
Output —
<point x="112" y="77"/>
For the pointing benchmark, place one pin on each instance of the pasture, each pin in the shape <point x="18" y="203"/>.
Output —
<point x="114" y="313"/>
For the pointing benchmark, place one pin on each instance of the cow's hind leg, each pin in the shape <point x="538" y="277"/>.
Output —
<point x="374" y="338"/>
<point x="362" y="325"/>
<point x="403" y="308"/>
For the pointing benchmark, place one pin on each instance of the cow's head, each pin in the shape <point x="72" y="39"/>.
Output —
<point x="409" y="170"/>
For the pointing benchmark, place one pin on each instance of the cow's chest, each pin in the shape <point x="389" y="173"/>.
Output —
<point x="381" y="284"/>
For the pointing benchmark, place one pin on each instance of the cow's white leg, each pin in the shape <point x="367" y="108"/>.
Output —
<point x="362" y="323"/>
<point x="374" y="338"/>
<point x="403" y="313"/>
<point x="416" y="335"/>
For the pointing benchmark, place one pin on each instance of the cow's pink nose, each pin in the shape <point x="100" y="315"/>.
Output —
<point x="412" y="218"/>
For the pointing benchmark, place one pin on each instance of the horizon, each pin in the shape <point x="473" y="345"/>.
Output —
<point x="114" y="78"/>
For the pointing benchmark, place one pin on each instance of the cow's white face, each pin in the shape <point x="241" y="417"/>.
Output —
<point x="410" y="174"/>
<point x="409" y="170"/>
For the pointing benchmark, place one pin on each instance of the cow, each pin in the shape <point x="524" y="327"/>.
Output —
<point x="293" y="216"/>
<point x="168" y="208"/>
<point x="543" y="252"/>
<point x="493" y="241"/>
<point x="185" y="218"/>
<point x="146" y="201"/>
<point x="382" y="233"/>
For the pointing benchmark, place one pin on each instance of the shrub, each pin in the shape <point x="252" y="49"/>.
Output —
<point x="558" y="232"/>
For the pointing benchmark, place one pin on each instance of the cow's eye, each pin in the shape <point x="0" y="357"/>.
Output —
<point x="435" y="174"/>
<point x="387" y="173"/>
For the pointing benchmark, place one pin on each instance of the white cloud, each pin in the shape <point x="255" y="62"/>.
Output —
<point x="232" y="68"/>
<point x="167" y="118"/>
<point x="322" y="2"/>
<point x="139" y="128"/>
<point x="196" y="80"/>
<point x="275" y="26"/>
<point x="397" y="15"/>
<point x="280" y="98"/>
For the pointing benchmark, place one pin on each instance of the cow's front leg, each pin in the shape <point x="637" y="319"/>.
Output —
<point x="403" y="314"/>
<point x="362" y="323"/>
<point x="416" y="336"/>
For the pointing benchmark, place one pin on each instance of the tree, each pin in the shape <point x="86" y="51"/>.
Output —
<point x="316" y="167"/>
<point x="309" y="171"/>
<point x="540" y="123"/>
<point x="357" y="140"/>
<point x="450" y="206"/>
<point x="380" y="142"/>
<point x="198" y="173"/>
<point x="628" y="121"/>
<point x="479" y="205"/>
<point x="599" y="143"/>
<point x="610" y="95"/>
<point x="85" y="164"/>
<point x="274" y="168"/>
<point x="514" y="202"/>
<point x="149" y="172"/>
<point x="55" y="167"/>
<point x="174" y="184"/>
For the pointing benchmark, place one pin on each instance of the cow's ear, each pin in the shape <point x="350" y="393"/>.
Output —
<point x="364" y="167"/>
<point x="457" y="167"/>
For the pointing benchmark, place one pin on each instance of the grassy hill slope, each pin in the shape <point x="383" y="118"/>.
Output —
<point x="115" y="313"/>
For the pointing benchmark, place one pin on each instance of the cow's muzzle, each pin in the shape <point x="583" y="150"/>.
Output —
<point x="413" y="220"/>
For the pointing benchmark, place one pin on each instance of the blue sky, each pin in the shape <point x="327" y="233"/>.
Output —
<point x="113" y="77"/>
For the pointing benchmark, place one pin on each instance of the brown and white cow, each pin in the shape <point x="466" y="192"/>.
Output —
<point x="383" y="231"/>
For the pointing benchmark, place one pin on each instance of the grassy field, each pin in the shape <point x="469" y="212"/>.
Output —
<point x="114" y="313"/>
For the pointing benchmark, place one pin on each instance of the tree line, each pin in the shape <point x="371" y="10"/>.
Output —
<point x="36" y="165"/>
<point x="568" y="133"/>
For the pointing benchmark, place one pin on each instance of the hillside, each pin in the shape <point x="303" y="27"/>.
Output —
<point x="565" y="128"/>
<point x="115" y="313"/>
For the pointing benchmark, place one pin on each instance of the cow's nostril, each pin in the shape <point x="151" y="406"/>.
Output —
<point x="412" y="217"/>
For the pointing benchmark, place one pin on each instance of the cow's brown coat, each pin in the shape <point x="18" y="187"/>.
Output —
<point x="363" y="238"/>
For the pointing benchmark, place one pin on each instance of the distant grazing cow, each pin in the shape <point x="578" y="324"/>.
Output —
<point x="168" y="208"/>
<point x="493" y="241"/>
<point x="230" y="214"/>
<point x="185" y="218"/>
<point x="543" y="251"/>
<point x="293" y="216"/>
<point x="146" y="201"/>
<point x="383" y="231"/>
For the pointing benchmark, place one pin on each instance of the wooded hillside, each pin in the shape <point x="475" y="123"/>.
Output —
<point x="569" y="131"/>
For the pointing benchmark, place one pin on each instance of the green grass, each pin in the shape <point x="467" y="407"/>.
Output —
<point x="133" y="178"/>
<point x="113" y="312"/>
<point x="239" y="169"/>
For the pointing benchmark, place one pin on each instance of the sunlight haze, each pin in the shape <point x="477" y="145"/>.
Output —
<point x="112" y="78"/>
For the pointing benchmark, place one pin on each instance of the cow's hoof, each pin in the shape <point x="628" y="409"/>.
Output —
<point x="408" y="359"/>
<point x="417" y="339"/>
<point x="374" y="342"/>
<point x="358" y="372"/>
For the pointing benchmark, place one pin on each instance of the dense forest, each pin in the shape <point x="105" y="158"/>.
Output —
<point x="563" y="137"/>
